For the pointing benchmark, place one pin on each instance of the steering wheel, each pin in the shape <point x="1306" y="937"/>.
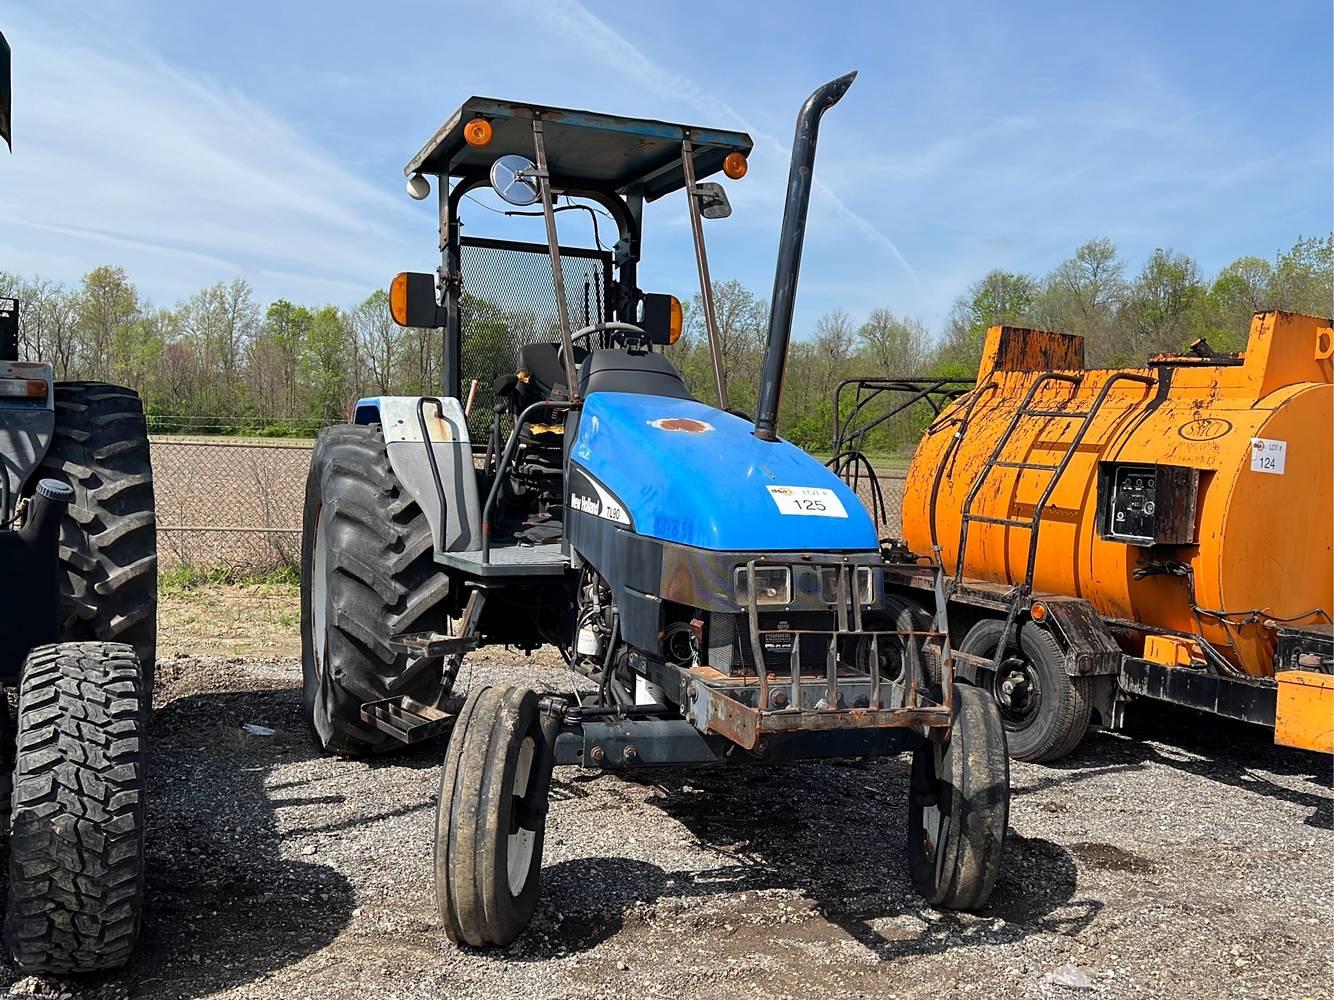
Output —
<point x="610" y="326"/>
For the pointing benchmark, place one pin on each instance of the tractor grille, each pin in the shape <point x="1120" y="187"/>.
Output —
<point x="729" y="645"/>
<point x="509" y="301"/>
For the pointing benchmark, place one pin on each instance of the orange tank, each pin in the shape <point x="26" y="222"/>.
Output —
<point x="1209" y="470"/>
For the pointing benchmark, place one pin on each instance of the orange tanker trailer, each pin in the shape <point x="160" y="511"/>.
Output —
<point x="1165" y="532"/>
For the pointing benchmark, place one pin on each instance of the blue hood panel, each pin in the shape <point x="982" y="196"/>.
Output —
<point x="707" y="483"/>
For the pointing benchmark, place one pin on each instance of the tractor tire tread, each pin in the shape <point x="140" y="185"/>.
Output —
<point x="382" y="580"/>
<point x="108" y="541"/>
<point x="76" y="864"/>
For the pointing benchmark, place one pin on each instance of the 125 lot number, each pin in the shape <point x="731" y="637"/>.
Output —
<point x="807" y="501"/>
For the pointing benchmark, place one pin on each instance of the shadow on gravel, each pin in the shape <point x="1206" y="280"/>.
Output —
<point x="224" y="907"/>
<point x="835" y="832"/>
<point x="1221" y="750"/>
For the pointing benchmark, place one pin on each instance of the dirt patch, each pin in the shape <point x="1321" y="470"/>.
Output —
<point x="1110" y="858"/>
<point x="230" y="620"/>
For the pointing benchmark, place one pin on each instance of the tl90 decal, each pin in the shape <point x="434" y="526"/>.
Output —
<point x="601" y="504"/>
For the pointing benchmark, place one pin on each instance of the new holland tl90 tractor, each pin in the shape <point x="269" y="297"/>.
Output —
<point x="719" y="589"/>
<point x="78" y="629"/>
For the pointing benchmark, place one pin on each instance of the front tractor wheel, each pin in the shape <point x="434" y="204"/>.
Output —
<point x="368" y="573"/>
<point x="959" y="806"/>
<point x="491" y="818"/>
<point x="76" y="843"/>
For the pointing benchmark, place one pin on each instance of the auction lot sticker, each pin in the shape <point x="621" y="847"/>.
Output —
<point x="807" y="501"/>
<point x="1268" y="456"/>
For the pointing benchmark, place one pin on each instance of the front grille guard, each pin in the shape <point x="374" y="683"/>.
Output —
<point x="746" y="710"/>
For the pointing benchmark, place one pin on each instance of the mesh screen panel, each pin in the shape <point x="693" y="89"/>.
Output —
<point x="509" y="300"/>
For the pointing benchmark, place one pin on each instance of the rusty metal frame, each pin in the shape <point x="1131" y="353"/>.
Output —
<point x="745" y="711"/>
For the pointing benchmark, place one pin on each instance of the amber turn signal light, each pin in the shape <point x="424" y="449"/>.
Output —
<point x="478" y="132"/>
<point x="735" y="166"/>
<point x="398" y="298"/>
<point x="675" y="328"/>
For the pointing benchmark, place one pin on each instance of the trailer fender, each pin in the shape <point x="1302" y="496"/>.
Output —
<point x="407" y="422"/>
<point x="1088" y="644"/>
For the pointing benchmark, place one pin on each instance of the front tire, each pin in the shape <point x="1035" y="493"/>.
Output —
<point x="959" y="807"/>
<point x="1045" y="711"/>
<point x="76" y="855"/>
<point x="108" y="540"/>
<point x="368" y="573"/>
<point x="491" y="818"/>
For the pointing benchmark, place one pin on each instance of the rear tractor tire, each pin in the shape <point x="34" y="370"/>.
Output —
<point x="76" y="845"/>
<point x="108" y="539"/>
<point x="491" y="818"/>
<point x="959" y="806"/>
<point x="368" y="573"/>
<point x="1045" y="711"/>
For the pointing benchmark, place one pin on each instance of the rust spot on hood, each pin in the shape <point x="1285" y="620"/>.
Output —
<point x="685" y="424"/>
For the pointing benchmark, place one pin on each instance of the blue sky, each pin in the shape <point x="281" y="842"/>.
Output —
<point x="197" y="142"/>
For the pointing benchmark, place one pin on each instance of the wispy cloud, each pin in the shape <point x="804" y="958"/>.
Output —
<point x="576" y="25"/>
<point x="190" y="179"/>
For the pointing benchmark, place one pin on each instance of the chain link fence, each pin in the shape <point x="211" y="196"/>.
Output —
<point x="235" y="503"/>
<point x="229" y="502"/>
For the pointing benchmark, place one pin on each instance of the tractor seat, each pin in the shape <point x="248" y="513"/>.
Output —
<point x="624" y="371"/>
<point x="545" y="372"/>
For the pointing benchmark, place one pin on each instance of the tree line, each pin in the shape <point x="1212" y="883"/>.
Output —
<point x="1123" y="316"/>
<point x="221" y="362"/>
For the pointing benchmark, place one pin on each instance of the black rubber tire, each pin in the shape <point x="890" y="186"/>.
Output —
<point x="478" y="812"/>
<point x="76" y="853"/>
<point x="1062" y="718"/>
<point x="904" y="614"/>
<point x="968" y="780"/>
<point x="381" y="579"/>
<point x="108" y="541"/>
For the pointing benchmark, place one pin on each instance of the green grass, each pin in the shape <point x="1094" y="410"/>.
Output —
<point x="180" y="579"/>
<point x="878" y="460"/>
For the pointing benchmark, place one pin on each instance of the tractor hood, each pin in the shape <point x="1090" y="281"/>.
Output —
<point x="681" y="471"/>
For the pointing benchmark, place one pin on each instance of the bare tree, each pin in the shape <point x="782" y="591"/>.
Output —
<point x="895" y="346"/>
<point x="378" y="341"/>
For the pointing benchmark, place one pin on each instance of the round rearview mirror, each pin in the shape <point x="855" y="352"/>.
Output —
<point x="418" y="186"/>
<point x="511" y="177"/>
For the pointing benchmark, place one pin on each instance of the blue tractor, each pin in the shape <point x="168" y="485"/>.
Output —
<point x="721" y="592"/>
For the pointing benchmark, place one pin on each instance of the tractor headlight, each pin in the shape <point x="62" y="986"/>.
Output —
<point x="773" y="585"/>
<point x="829" y="584"/>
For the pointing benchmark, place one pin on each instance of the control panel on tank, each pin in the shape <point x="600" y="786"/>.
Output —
<point x="1147" y="504"/>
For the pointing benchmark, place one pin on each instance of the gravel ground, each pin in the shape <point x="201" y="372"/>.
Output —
<point x="1192" y="861"/>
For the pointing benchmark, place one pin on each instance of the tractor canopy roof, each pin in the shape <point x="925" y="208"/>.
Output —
<point x="584" y="150"/>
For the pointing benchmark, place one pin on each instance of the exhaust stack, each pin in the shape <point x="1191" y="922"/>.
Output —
<point x="790" y="239"/>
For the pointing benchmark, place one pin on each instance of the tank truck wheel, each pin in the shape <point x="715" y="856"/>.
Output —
<point x="895" y="654"/>
<point x="491" y="818"/>
<point x="1044" y="709"/>
<point x="108" y="542"/>
<point x="959" y="806"/>
<point x="76" y="855"/>
<point x="367" y="573"/>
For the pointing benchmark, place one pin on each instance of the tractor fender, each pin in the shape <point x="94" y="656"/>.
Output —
<point x="401" y="420"/>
